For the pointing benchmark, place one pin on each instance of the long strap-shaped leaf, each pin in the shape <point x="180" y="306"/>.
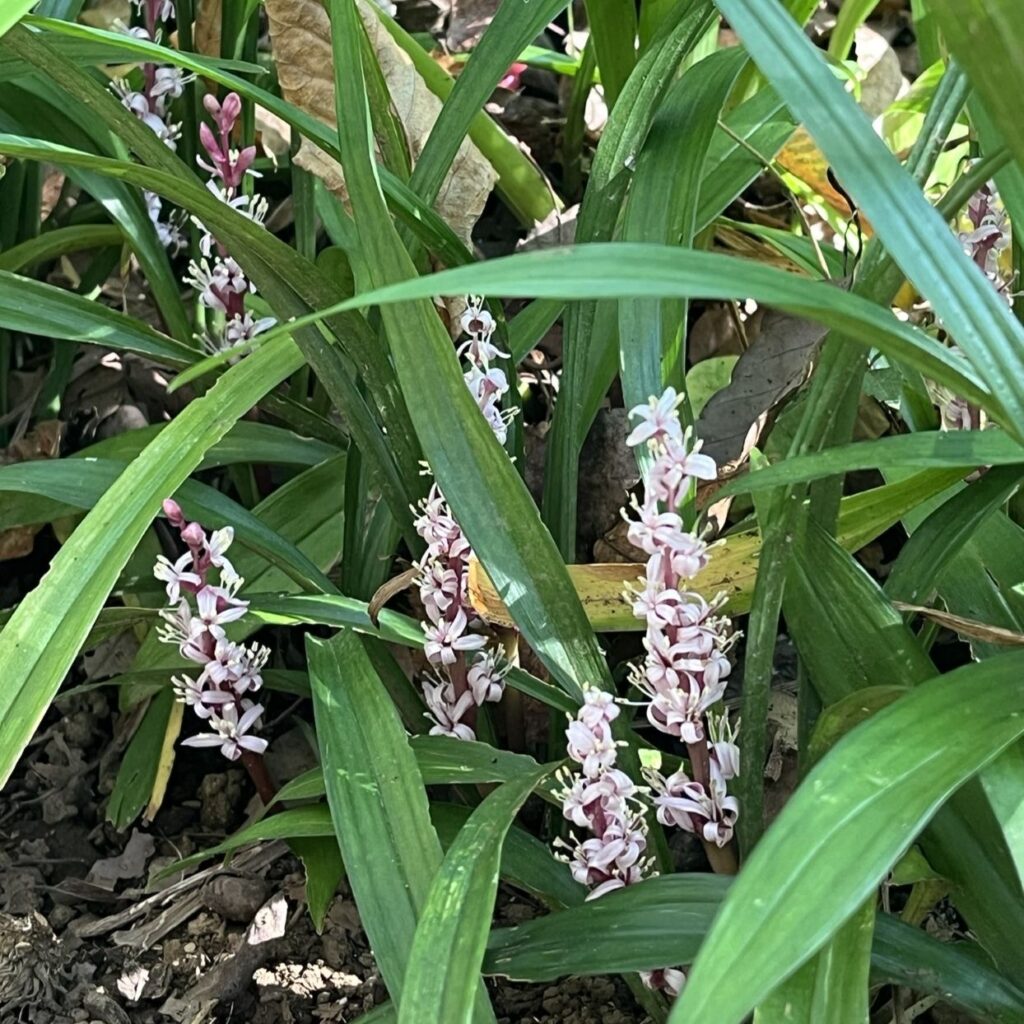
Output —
<point x="486" y="494"/>
<point x="623" y="269"/>
<point x="986" y="37"/>
<point x="38" y="308"/>
<point x="847" y="823"/>
<point x="378" y="803"/>
<point x="904" y="221"/>
<point x="515" y="25"/>
<point x="444" y="967"/>
<point x="82" y="485"/>
<point x="13" y="11"/>
<point x="664" y="920"/>
<point x="39" y="643"/>
<point x="662" y="208"/>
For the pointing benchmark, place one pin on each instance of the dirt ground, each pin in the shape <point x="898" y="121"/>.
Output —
<point x="83" y="938"/>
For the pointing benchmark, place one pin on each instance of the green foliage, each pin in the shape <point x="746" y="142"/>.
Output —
<point x="309" y="441"/>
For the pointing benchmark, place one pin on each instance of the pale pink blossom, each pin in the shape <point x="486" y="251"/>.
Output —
<point x="659" y="419"/>
<point x="231" y="732"/>
<point x="176" y="575"/>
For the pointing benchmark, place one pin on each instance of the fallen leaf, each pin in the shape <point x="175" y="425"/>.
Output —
<point x="300" y="36"/>
<point x="130" y="863"/>
<point x="774" y="365"/>
<point x="881" y="80"/>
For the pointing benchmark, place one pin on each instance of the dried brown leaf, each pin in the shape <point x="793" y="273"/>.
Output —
<point x="206" y="34"/>
<point x="300" y="34"/>
<point x="774" y="365"/>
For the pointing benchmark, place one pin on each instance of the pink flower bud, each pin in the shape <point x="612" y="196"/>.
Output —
<point x="173" y="512"/>
<point x="193" y="535"/>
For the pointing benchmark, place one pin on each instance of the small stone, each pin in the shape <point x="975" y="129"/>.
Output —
<point x="189" y="947"/>
<point x="235" y="897"/>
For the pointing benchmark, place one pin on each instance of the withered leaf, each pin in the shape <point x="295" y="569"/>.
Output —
<point x="774" y="365"/>
<point x="300" y="35"/>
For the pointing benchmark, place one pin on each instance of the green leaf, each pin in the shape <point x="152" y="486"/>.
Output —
<point x="923" y="559"/>
<point x="613" y="29"/>
<point x="589" y="330"/>
<point x="14" y="11"/>
<point x="623" y="270"/>
<point x="58" y="242"/>
<point x="526" y="862"/>
<point x="662" y="208"/>
<point x="83" y="483"/>
<point x="851" y="16"/>
<point x="912" y="232"/>
<point x="40" y="641"/>
<point x="37" y="308"/>
<point x="139" y="765"/>
<point x="850" y="637"/>
<point x="515" y="24"/>
<point x="918" y="751"/>
<point x="986" y="37"/>
<point x="833" y="985"/>
<point x="486" y="494"/>
<point x="933" y="448"/>
<point x="377" y="800"/>
<point x="321" y="860"/>
<point x="660" y="922"/>
<point x="443" y="976"/>
<point x="663" y="920"/>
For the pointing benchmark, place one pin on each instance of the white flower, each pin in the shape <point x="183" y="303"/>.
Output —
<point x="445" y="713"/>
<point x="486" y="678"/>
<point x="594" y="749"/>
<point x="658" y="419"/>
<point x="197" y="695"/>
<point x="231" y="732"/>
<point x="243" y="327"/>
<point x="444" y="640"/>
<point x="176" y="575"/>
<point x="209" y="598"/>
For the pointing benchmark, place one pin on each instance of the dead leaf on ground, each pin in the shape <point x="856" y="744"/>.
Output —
<point x="774" y="365"/>
<point x="129" y="864"/>
<point x="41" y="442"/>
<point x="300" y="35"/>
<point x="468" y="20"/>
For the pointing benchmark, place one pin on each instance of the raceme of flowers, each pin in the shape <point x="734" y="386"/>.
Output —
<point x="220" y="281"/>
<point x="685" y="670"/>
<point x="228" y="673"/>
<point x="466" y="672"/>
<point x="151" y="104"/>
<point x="602" y="799"/>
<point x="683" y="677"/>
